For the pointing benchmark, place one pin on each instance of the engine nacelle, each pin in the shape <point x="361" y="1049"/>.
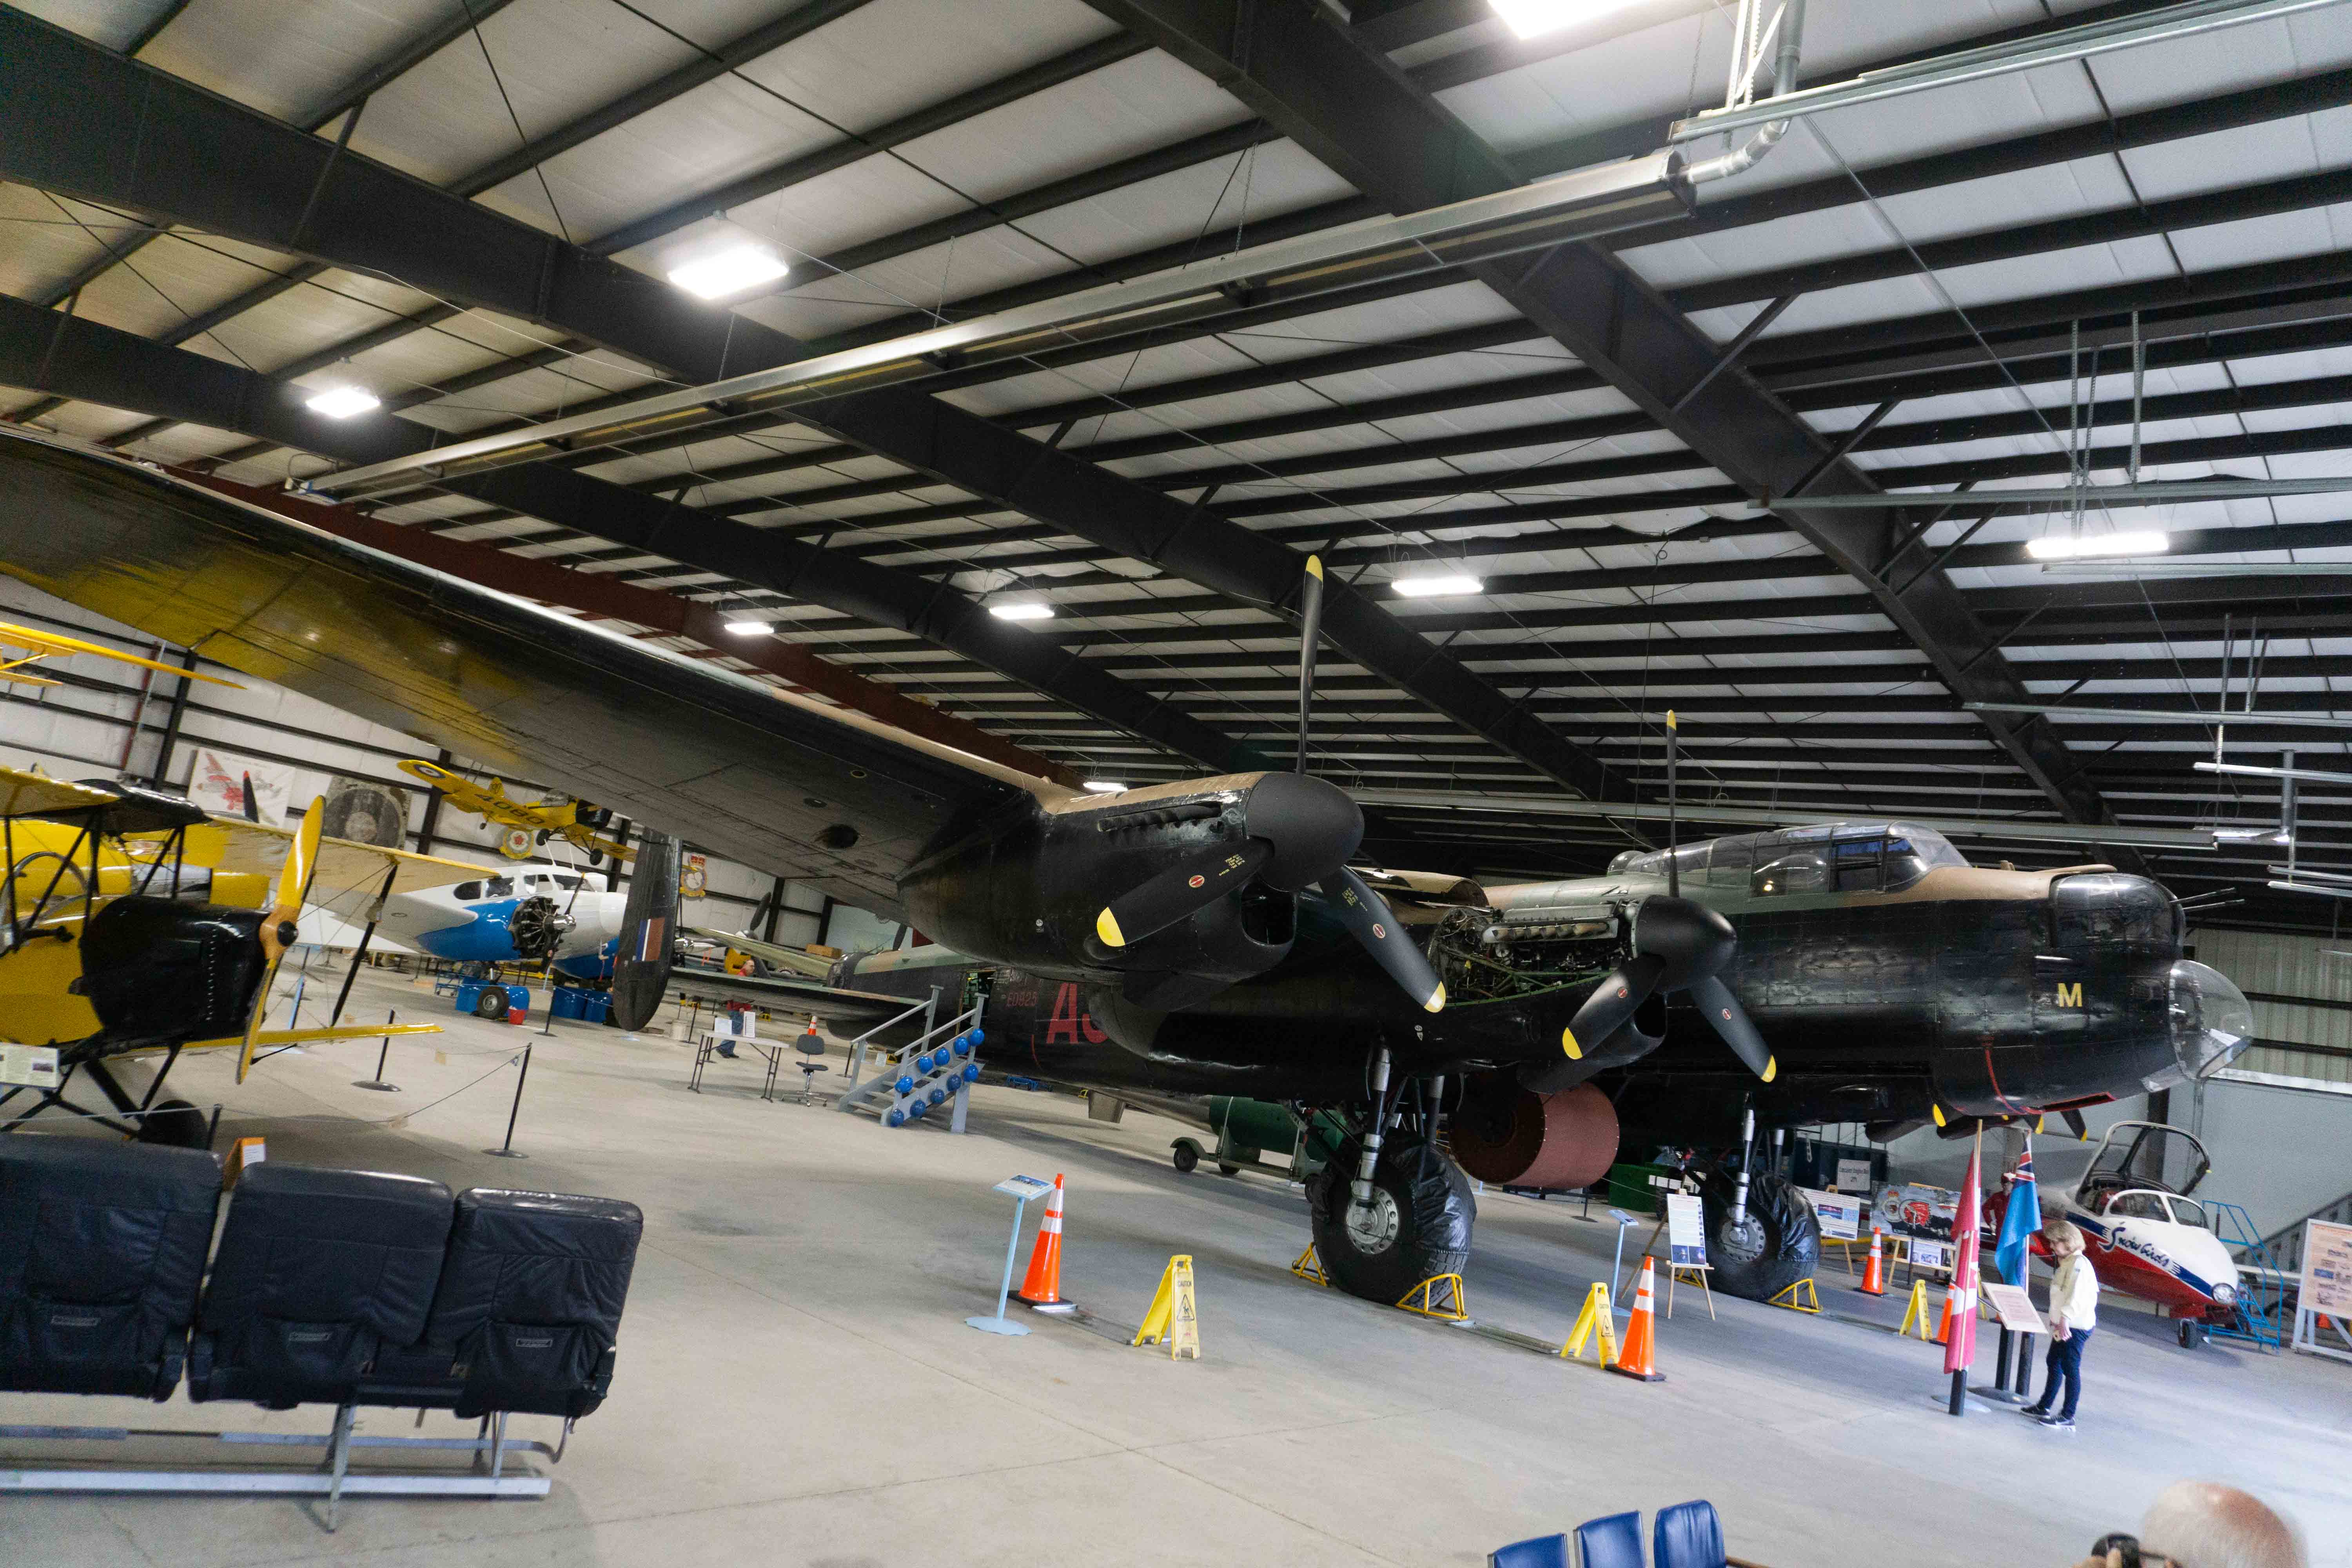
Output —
<point x="1025" y="886"/>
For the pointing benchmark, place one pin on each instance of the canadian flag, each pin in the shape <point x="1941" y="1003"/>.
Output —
<point x="1960" y="1347"/>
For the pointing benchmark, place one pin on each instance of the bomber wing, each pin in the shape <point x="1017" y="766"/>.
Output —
<point x="779" y="781"/>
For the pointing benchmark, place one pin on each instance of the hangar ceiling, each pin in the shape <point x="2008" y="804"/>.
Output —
<point x="215" y="209"/>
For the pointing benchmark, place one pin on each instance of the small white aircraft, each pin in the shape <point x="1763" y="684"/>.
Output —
<point x="529" y="911"/>
<point x="2144" y="1233"/>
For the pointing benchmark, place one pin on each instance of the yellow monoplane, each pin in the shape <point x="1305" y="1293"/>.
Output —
<point x="21" y="648"/>
<point x="573" y="820"/>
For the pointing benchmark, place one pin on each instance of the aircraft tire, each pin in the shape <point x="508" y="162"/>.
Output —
<point x="176" y="1124"/>
<point x="1430" y="1209"/>
<point x="1784" y="1244"/>
<point x="1187" y="1157"/>
<point x="2191" y="1334"/>
<point x="492" y="1004"/>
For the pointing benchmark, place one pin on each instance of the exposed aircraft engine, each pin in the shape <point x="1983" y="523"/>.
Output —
<point x="1511" y="1136"/>
<point x="536" y="927"/>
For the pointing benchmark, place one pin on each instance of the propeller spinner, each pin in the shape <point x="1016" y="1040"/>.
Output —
<point x="1299" y="832"/>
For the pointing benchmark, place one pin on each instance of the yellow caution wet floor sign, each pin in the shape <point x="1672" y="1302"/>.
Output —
<point x="1599" y="1320"/>
<point x="1174" y="1320"/>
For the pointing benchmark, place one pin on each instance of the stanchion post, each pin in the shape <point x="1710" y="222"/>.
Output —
<point x="2025" y="1366"/>
<point x="507" y="1150"/>
<point x="2001" y="1365"/>
<point x="391" y="1017"/>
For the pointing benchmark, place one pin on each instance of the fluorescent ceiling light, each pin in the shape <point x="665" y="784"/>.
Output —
<point x="342" y="401"/>
<point x="2059" y="547"/>
<point x="750" y="628"/>
<point x="729" y="272"/>
<point x="1532" y="18"/>
<point x="1436" y="587"/>
<point x="1105" y="787"/>
<point x="1027" y="610"/>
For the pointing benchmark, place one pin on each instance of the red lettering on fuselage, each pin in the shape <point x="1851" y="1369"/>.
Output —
<point x="1069" y="1024"/>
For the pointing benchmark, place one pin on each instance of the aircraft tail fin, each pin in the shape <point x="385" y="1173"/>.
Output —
<point x="648" y="925"/>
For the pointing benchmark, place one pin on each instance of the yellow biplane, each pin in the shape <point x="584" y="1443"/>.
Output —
<point x="138" y="925"/>
<point x="532" y="824"/>
<point x="21" y="648"/>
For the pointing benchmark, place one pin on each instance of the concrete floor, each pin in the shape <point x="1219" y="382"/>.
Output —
<point x="796" y="1384"/>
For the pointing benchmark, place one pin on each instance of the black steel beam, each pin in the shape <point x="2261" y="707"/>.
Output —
<point x="203" y="161"/>
<point x="93" y="363"/>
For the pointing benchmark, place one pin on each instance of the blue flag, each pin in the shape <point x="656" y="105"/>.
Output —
<point x="2019" y="1221"/>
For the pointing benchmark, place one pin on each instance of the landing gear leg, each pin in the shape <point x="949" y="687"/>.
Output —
<point x="1405" y="1214"/>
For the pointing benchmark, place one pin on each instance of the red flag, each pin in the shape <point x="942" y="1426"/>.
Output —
<point x="1960" y="1348"/>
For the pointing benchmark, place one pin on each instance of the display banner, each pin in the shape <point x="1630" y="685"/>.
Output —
<point x="2327" y="1268"/>
<point x="1685" y="1231"/>
<point x="1840" y="1216"/>
<point x="217" y="782"/>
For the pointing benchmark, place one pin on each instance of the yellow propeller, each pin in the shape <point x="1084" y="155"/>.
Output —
<point x="278" y="931"/>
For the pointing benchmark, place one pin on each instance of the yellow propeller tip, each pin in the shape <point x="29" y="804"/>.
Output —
<point x="1568" y="1043"/>
<point x="1315" y="566"/>
<point x="1437" y="1002"/>
<point x="1937" y="1113"/>
<point x="1107" y="928"/>
<point x="1771" y="1068"/>
<point x="1670" y="718"/>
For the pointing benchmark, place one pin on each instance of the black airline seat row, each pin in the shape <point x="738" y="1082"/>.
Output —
<point x="331" y="1287"/>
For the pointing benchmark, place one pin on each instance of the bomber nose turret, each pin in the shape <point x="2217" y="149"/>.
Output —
<point x="2212" y="1020"/>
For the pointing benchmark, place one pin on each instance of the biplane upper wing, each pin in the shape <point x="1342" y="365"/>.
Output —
<point x="781" y="782"/>
<point x="26" y="794"/>
<point x="344" y="864"/>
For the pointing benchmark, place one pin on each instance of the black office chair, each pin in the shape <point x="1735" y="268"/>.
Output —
<point x="811" y="1044"/>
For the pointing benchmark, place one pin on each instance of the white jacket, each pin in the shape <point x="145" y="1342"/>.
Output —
<point x="2074" y="1295"/>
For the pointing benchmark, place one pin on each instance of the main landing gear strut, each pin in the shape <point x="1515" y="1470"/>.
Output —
<point x="1400" y="1211"/>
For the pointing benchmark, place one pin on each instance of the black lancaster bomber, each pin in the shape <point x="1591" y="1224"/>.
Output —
<point x="1217" y="935"/>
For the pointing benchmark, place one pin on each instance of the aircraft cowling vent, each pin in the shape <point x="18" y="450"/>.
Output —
<point x="1511" y="1136"/>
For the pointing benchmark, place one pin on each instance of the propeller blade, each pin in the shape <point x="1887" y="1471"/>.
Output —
<point x="1179" y="892"/>
<point x="2075" y="1124"/>
<point x="1612" y="1004"/>
<point x="279" y="930"/>
<point x="1374" y="924"/>
<point x="1310" y="640"/>
<point x="1731" y="1021"/>
<point x="1673" y="825"/>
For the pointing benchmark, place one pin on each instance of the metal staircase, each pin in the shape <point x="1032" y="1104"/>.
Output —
<point x="2263" y="1285"/>
<point x="933" y="1074"/>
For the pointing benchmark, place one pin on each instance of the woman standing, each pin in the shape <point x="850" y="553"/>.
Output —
<point x="2074" y="1313"/>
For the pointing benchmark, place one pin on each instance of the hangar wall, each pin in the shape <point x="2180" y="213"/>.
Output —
<point x="97" y="725"/>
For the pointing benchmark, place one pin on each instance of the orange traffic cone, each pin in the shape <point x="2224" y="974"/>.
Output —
<point x="1043" y="1286"/>
<point x="1640" y="1358"/>
<point x="1874" y="1279"/>
<point x="1943" y="1328"/>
